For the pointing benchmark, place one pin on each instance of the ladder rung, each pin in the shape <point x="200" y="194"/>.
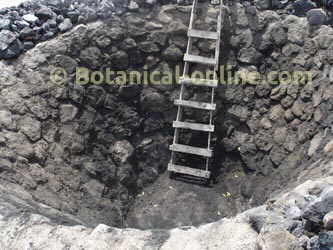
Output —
<point x="194" y="126"/>
<point x="191" y="150"/>
<point x="196" y="105"/>
<point x="199" y="59"/>
<point x="189" y="171"/>
<point x="203" y="34"/>
<point x="199" y="82"/>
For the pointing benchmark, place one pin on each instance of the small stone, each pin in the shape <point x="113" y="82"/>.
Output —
<point x="315" y="143"/>
<point x="66" y="25"/>
<point x="148" y="47"/>
<point x="318" y="115"/>
<point x="298" y="108"/>
<point x="21" y="24"/>
<point x="263" y="4"/>
<point x="288" y="115"/>
<point x="313" y="243"/>
<point x="30" y="18"/>
<point x="67" y="113"/>
<point x="249" y="55"/>
<point x="280" y="135"/>
<point x="73" y="15"/>
<point x="116" y="33"/>
<point x="328" y="221"/>
<point x="290" y="143"/>
<point x="45" y="13"/>
<point x="103" y="42"/>
<point x="329" y="147"/>
<point x="133" y="5"/>
<point x="4" y="24"/>
<point x="27" y="34"/>
<point x="276" y="113"/>
<point x="265" y="123"/>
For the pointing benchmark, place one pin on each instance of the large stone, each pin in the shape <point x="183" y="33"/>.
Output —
<point x="277" y="155"/>
<point x="291" y="49"/>
<point x="239" y="112"/>
<point x="278" y="239"/>
<point x="159" y="37"/>
<point x="10" y="45"/>
<point x="31" y="128"/>
<point x="6" y="120"/>
<point x="173" y="53"/>
<point x="242" y="39"/>
<point x="249" y="55"/>
<point x="317" y="209"/>
<point x="121" y="151"/>
<point x="326" y="240"/>
<point x="152" y="100"/>
<point x="278" y="34"/>
<point x="66" y="62"/>
<point x="316" y="17"/>
<point x="91" y="56"/>
<point x="119" y="60"/>
<point x="301" y="7"/>
<point x="115" y="33"/>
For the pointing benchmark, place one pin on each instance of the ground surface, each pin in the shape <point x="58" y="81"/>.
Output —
<point x="174" y="202"/>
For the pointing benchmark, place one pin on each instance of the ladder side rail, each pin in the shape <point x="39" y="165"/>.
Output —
<point x="185" y="72"/>
<point x="217" y="55"/>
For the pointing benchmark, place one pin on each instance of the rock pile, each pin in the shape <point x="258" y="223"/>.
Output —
<point x="22" y="27"/>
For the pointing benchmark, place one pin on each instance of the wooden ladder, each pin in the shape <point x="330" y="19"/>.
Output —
<point x="185" y="80"/>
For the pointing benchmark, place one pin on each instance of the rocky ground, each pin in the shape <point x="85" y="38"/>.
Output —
<point x="299" y="219"/>
<point x="97" y="154"/>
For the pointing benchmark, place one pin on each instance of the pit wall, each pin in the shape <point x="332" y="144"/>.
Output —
<point x="88" y="150"/>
